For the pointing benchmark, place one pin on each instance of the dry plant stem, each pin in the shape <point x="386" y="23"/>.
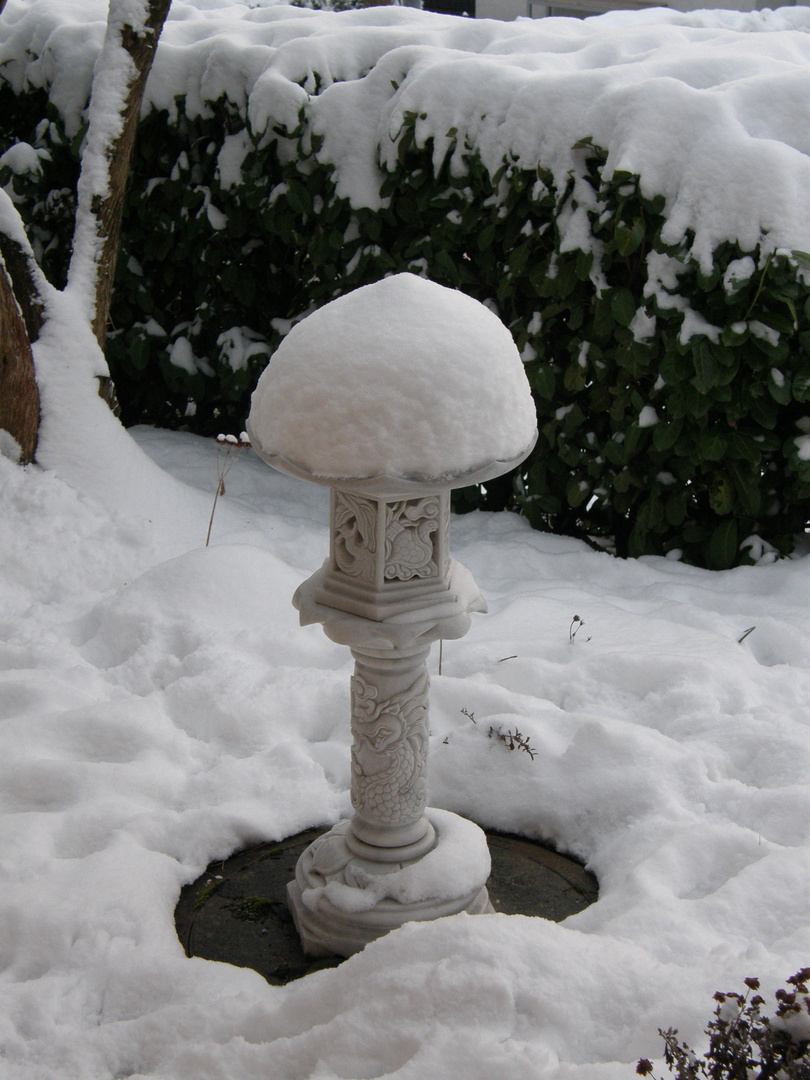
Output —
<point x="213" y="508"/>
<point x="224" y="466"/>
<point x="513" y="740"/>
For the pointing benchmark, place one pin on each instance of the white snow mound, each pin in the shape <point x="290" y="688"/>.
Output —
<point x="402" y="378"/>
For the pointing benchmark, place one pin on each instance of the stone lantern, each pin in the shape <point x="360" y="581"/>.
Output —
<point x="391" y="395"/>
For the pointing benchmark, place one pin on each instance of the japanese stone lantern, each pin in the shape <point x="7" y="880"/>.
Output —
<point x="391" y="396"/>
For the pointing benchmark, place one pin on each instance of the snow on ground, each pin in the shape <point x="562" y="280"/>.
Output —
<point x="160" y="707"/>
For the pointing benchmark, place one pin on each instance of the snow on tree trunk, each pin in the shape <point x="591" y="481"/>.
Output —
<point x="133" y="30"/>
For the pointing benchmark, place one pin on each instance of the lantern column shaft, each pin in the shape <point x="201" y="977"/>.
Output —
<point x="389" y="756"/>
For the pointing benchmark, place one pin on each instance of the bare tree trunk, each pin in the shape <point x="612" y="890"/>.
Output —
<point x="21" y="318"/>
<point x="19" y="397"/>
<point x="20" y="322"/>
<point x="110" y="209"/>
<point x="21" y="271"/>
<point x="18" y="393"/>
<point x="100" y="211"/>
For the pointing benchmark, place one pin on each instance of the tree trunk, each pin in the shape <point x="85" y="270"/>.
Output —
<point x="21" y="318"/>
<point x="110" y="210"/>
<point x="104" y="208"/>
<point x="19" y="397"/>
<point x="19" y="326"/>
<point x="21" y="272"/>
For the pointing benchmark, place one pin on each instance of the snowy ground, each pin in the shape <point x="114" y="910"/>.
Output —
<point x="161" y="708"/>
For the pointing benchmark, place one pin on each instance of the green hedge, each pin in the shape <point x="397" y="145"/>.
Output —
<point x="672" y="404"/>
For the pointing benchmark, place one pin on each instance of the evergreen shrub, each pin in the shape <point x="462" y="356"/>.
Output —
<point x="672" y="402"/>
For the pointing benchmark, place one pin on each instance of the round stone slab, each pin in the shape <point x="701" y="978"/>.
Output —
<point x="237" y="913"/>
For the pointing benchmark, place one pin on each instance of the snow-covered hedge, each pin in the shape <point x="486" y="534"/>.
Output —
<point x="630" y="193"/>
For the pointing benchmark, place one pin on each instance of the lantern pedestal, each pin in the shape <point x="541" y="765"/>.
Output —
<point x="395" y="861"/>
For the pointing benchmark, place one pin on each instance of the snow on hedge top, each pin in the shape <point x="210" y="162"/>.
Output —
<point x="402" y="378"/>
<point x="708" y="107"/>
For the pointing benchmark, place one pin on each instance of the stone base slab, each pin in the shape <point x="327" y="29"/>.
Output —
<point x="340" y="901"/>
<point x="331" y="932"/>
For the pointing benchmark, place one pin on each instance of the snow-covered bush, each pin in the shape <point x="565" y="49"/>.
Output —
<point x="39" y="168"/>
<point x="659" y="305"/>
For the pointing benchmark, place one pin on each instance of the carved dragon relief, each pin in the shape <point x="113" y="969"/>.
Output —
<point x="389" y="753"/>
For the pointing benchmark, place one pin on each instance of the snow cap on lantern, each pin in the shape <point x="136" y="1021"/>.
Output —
<point x="402" y="379"/>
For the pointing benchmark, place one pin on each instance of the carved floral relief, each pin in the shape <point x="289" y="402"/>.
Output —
<point x="409" y="541"/>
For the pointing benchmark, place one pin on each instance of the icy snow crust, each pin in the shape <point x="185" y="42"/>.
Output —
<point x="401" y="378"/>
<point x="707" y="106"/>
<point x="161" y="708"/>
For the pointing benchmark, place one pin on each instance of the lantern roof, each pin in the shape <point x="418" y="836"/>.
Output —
<point x="402" y="380"/>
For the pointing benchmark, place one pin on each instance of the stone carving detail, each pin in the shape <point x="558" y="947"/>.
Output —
<point x="329" y="859"/>
<point x="389" y="754"/>
<point x="409" y="528"/>
<point x="355" y="535"/>
<point x="326" y="858"/>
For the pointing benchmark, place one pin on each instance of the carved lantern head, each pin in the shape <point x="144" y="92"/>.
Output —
<point x="388" y="552"/>
<point x="393" y="395"/>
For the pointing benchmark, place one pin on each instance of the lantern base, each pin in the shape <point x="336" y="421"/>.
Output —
<point x="340" y="902"/>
